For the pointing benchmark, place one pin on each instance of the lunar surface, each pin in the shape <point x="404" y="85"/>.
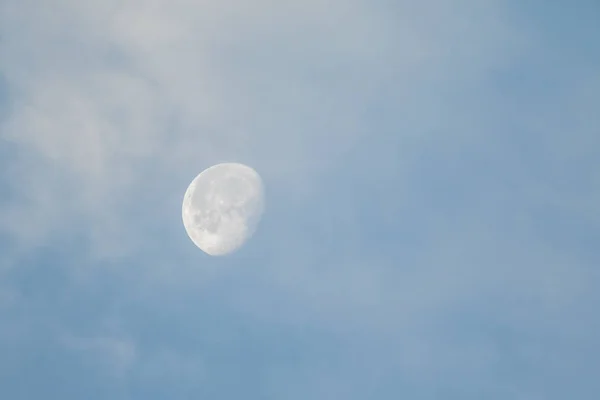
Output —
<point x="222" y="207"/>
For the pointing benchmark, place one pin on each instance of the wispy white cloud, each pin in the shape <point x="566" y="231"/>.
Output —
<point x="110" y="93"/>
<point x="115" y="356"/>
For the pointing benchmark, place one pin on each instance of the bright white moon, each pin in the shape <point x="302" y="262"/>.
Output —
<point x="222" y="207"/>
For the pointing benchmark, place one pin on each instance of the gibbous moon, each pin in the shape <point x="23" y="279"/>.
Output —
<point x="222" y="207"/>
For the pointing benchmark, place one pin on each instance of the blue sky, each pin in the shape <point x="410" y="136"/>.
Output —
<point x="432" y="172"/>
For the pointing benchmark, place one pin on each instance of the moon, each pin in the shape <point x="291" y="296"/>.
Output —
<point x="222" y="207"/>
